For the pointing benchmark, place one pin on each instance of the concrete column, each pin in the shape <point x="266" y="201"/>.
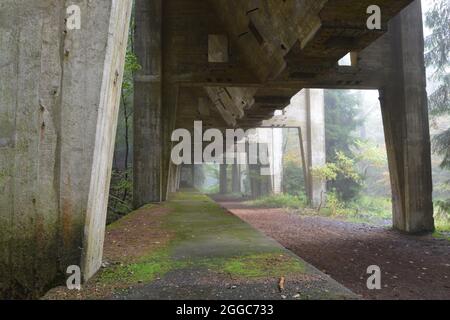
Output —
<point x="255" y="183"/>
<point x="236" y="179"/>
<point x="260" y="184"/>
<point x="276" y="160"/>
<point x="173" y="179"/>
<point x="59" y="102"/>
<point x="405" y="117"/>
<point x="223" y="179"/>
<point x="147" y="104"/>
<point x="308" y="108"/>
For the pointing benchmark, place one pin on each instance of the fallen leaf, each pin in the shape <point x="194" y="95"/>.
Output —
<point x="281" y="283"/>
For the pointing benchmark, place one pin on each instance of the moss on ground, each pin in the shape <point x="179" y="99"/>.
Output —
<point x="257" y="265"/>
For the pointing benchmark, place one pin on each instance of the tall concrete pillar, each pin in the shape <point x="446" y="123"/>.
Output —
<point x="236" y="178"/>
<point x="255" y="182"/>
<point x="276" y="160"/>
<point x="178" y="180"/>
<point x="193" y="180"/>
<point x="148" y="142"/>
<point x="59" y="101"/>
<point x="223" y="180"/>
<point x="405" y="117"/>
<point x="266" y="173"/>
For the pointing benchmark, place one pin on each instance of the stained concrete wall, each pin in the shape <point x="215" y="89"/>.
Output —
<point x="59" y="93"/>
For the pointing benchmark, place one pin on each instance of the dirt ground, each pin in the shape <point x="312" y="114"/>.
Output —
<point x="413" y="267"/>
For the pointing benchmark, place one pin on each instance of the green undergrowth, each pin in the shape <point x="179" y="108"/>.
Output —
<point x="442" y="229"/>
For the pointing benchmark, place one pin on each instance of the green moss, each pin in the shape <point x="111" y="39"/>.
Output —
<point x="146" y="269"/>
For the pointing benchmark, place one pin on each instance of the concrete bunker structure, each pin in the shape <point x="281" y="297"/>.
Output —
<point x="229" y="63"/>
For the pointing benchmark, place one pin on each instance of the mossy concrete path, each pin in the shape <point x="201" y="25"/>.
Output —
<point x="191" y="248"/>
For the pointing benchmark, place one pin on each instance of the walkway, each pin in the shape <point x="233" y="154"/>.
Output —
<point x="191" y="248"/>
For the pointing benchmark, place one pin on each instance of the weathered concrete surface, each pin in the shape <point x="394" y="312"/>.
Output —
<point x="268" y="62"/>
<point x="276" y="160"/>
<point x="59" y="98"/>
<point x="235" y="178"/>
<point x="259" y="158"/>
<point x="223" y="179"/>
<point x="58" y="103"/>
<point x="148" y="141"/>
<point x="308" y="109"/>
<point x="404" y="107"/>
